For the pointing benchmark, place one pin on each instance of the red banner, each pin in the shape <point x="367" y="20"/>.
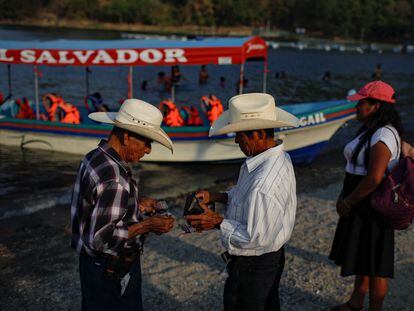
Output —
<point x="254" y="48"/>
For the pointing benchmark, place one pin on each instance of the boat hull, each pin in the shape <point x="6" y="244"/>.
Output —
<point x="303" y="144"/>
<point x="318" y="122"/>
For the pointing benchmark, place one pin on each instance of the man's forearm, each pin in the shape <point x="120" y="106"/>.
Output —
<point x="139" y="228"/>
<point x="219" y="197"/>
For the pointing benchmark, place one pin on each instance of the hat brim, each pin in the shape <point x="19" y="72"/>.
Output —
<point x="156" y="134"/>
<point x="223" y="126"/>
<point x="358" y="97"/>
<point x="355" y="97"/>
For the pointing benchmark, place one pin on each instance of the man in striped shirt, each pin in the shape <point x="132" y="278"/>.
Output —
<point x="109" y="220"/>
<point x="260" y="210"/>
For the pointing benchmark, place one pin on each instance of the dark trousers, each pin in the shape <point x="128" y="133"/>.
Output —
<point x="253" y="282"/>
<point x="100" y="293"/>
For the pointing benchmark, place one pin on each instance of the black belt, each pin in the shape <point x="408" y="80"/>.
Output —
<point x="130" y="256"/>
<point x="226" y="256"/>
<point x="115" y="267"/>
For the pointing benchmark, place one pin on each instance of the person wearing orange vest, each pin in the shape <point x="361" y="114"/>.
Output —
<point x="213" y="106"/>
<point x="172" y="116"/>
<point x="72" y="114"/>
<point x="193" y="116"/>
<point x="55" y="105"/>
<point x="51" y="103"/>
<point x="25" y="111"/>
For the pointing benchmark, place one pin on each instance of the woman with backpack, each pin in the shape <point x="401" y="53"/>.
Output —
<point x="364" y="243"/>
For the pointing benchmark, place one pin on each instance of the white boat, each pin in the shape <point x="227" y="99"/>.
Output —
<point x="319" y="120"/>
<point x="318" y="123"/>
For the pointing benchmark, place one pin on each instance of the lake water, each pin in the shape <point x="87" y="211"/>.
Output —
<point x="304" y="70"/>
<point x="32" y="180"/>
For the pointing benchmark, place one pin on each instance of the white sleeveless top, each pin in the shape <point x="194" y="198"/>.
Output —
<point x="383" y="134"/>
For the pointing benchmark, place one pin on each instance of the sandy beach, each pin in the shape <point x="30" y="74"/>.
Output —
<point x="184" y="272"/>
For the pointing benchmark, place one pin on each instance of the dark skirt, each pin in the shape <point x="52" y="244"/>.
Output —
<point x="363" y="242"/>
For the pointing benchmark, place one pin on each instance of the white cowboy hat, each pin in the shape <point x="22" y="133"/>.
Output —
<point x="138" y="117"/>
<point x="252" y="111"/>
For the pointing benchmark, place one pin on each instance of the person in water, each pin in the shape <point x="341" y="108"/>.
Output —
<point x="144" y="85"/>
<point x="222" y="82"/>
<point x="281" y="75"/>
<point x="378" y="72"/>
<point x="176" y="74"/>
<point x="244" y="84"/>
<point x="203" y="75"/>
<point x="327" y="76"/>
<point x="163" y="82"/>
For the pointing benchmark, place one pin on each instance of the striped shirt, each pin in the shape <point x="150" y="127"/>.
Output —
<point x="104" y="204"/>
<point x="261" y="208"/>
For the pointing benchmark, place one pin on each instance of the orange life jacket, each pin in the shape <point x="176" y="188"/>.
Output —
<point x="25" y="111"/>
<point x="52" y="110"/>
<point x="171" y="113"/>
<point x="72" y="114"/>
<point x="213" y="106"/>
<point x="194" y="118"/>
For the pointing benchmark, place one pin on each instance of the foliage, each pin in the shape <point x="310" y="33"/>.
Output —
<point x="376" y="19"/>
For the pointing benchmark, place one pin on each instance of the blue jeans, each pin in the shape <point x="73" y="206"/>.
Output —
<point x="253" y="282"/>
<point x="100" y="293"/>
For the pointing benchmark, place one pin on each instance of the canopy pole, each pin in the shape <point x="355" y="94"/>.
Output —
<point x="172" y="85"/>
<point x="241" y="82"/>
<point x="265" y="76"/>
<point x="36" y="83"/>
<point x="173" y="92"/>
<point x="87" y="72"/>
<point x="130" y="83"/>
<point x="9" y="79"/>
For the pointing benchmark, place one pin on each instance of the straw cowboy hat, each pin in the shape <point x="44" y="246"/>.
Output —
<point x="252" y="111"/>
<point x="138" y="117"/>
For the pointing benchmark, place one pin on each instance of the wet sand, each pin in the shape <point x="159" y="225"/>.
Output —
<point x="38" y="270"/>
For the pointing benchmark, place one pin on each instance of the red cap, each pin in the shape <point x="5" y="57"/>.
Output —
<point x="377" y="90"/>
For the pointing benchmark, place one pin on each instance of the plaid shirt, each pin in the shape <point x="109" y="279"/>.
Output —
<point x="104" y="204"/>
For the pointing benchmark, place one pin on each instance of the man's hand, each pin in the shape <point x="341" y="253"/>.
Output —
<point x="203" y="196"/>
<point x="206" y="221"/>
<point x="206" y="197"/>
<point x="147" y="205"/>
<point x="342" y="208"/>
<point x="160" y="224"/>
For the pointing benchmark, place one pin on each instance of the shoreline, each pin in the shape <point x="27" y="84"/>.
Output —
<point x="51" y="22"/>
<point x="187" y="30"/>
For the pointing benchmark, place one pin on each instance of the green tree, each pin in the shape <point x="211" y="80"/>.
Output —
<point x="367" y="19"/>
<point x="200" y="12"/>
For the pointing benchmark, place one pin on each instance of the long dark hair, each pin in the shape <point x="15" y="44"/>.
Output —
<point x="386" y="114"/>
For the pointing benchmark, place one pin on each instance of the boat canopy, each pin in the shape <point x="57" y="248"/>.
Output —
<point x="133" y="52"/>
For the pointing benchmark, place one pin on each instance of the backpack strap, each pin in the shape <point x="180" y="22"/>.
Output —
<point x="398" y="143"/>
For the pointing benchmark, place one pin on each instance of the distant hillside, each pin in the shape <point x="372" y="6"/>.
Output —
<point x="386" y="20"/>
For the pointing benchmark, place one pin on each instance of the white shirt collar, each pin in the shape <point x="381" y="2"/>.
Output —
<point x="253" y="162"/>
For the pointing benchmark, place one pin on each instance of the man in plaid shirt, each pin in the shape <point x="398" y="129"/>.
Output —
<point x="109" y="220"/>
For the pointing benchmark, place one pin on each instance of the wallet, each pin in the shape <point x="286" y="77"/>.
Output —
<point x="192" y="206"/>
